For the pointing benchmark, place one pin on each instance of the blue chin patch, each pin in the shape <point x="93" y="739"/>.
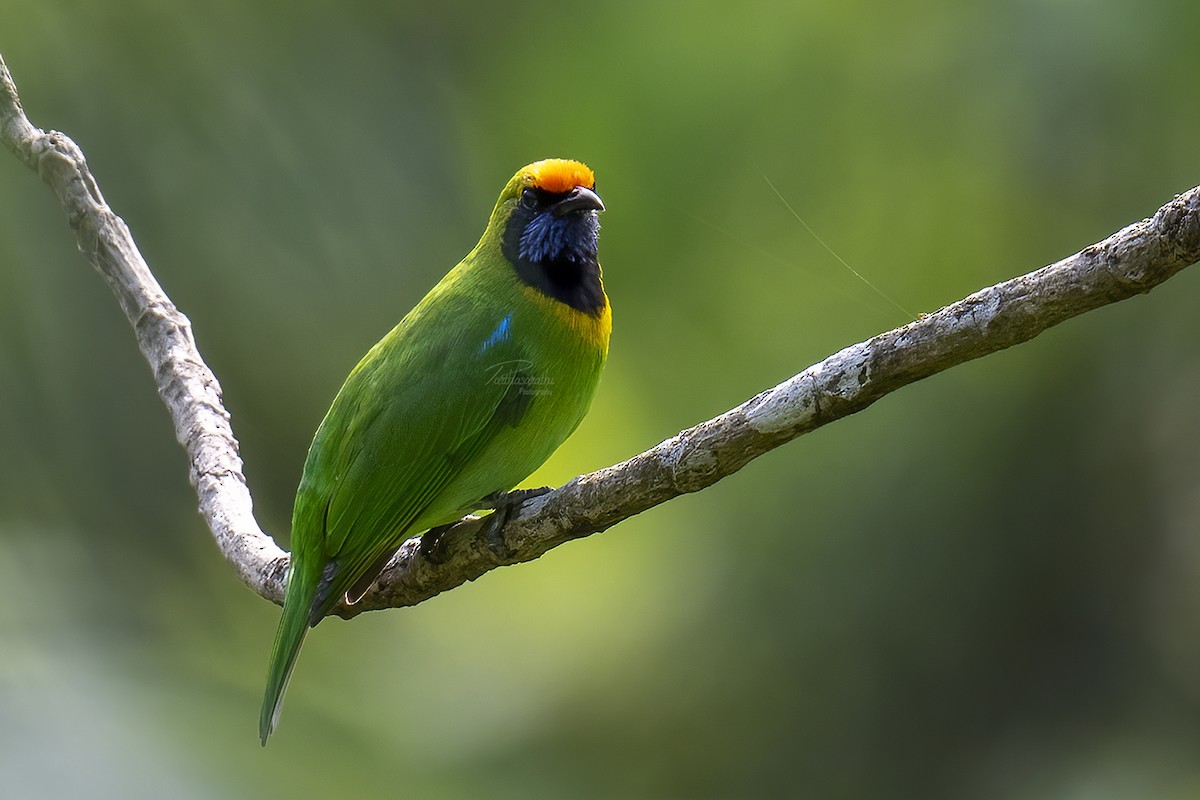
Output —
<point x="573" y="237"/>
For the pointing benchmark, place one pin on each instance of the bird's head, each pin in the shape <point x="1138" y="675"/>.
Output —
<point x="549" y="230"/>
<point x="552" y="209"/>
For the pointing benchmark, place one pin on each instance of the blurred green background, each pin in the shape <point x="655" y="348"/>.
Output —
<point x="986" y="586"/>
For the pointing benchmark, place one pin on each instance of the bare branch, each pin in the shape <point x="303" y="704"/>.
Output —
<point x="1131" y="261"/>
<point x="185" y="383"/>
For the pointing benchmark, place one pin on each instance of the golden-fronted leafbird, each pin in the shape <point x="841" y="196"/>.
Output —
<point x="467" y="396"/>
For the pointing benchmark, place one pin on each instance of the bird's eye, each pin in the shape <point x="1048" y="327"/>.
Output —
<point x="528" y="199"/>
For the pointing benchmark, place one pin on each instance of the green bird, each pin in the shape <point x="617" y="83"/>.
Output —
<point x="467" y="396"/>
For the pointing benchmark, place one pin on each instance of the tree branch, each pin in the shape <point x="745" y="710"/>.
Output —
<point x="186" y="385"/>
<point x="1131" y="261"/>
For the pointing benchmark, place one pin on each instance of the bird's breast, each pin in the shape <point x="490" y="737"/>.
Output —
<point x="584" y="329"/>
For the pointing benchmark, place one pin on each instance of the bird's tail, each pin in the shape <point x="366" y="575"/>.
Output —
<point x="293" y="627"/>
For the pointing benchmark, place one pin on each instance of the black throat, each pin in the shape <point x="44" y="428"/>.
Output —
<point x="556" y="254"/>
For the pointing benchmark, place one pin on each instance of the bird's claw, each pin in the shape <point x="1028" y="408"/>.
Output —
<point x="431" y="542"/>
<point x="503" y="505"/>
<point x="514" y="497"/>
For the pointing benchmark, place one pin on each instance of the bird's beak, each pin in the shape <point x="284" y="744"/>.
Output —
<point x="579" y="199"/>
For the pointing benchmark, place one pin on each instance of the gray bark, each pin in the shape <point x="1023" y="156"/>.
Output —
<point x="1131" y="261"/>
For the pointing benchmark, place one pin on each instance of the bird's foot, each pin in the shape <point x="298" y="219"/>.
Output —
<point x="514" y="497"/>
<point x="431" y="542"/>
<point x="504" y="504"/>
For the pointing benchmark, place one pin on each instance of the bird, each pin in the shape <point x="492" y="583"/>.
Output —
<point x="463" y="399"/>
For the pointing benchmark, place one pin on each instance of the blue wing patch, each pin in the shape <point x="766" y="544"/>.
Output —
<point x="501" y="334"/>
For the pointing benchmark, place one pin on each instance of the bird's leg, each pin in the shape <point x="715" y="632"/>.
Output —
<point x="504" y="504"/>
<point x="514" y="497"/>
<point x="430" y="540"/>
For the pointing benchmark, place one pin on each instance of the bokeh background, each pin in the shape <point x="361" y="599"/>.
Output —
<point x="986" y="586"/>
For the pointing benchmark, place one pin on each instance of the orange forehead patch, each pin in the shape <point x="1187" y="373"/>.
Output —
<point x="558" y="175"/>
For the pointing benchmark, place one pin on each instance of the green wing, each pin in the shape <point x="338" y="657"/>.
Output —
<point x="388" y="455"/>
